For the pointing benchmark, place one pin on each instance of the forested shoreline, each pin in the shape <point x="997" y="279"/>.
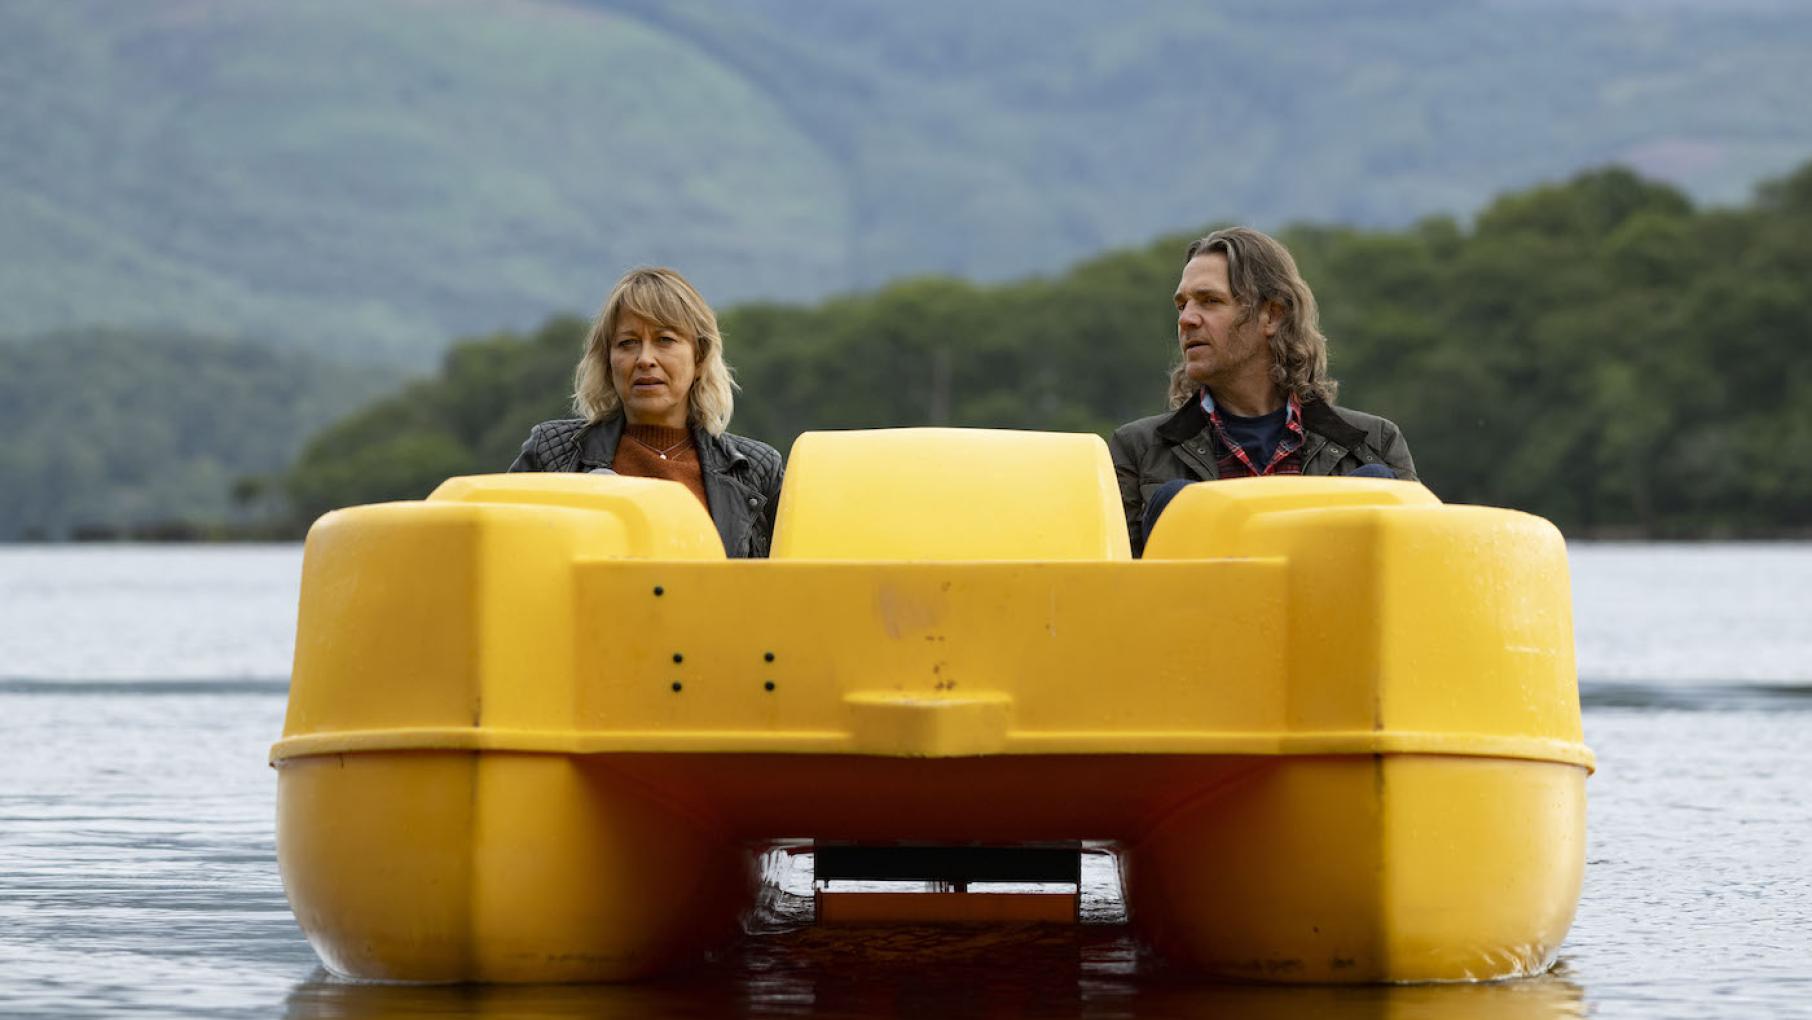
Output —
<point x="1598" y="352"/>
<point x="159" y="435"/>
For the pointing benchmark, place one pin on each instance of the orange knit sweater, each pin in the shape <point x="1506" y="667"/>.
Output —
<point x="656" y="451"/>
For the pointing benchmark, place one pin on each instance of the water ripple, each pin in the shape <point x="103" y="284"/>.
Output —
<point x="1727" y="696"/>
<point x="145" y="687"/>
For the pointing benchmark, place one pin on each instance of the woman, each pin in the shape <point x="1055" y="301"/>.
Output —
<point x="654" y="395"/>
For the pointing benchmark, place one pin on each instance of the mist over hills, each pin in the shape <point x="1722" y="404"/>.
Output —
<point x="370" y="180"/>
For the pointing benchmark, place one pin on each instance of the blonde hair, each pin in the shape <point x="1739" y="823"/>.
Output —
<point x="1260" y="271"/>
<point x="663" y="297"/>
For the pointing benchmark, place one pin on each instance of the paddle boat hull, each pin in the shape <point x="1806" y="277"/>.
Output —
<point x="539" y="729"/>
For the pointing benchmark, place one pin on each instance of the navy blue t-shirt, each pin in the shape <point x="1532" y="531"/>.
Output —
<point x="1257" y="436"/>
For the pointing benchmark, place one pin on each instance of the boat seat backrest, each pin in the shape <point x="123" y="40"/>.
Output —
<point x="949" y="494"/>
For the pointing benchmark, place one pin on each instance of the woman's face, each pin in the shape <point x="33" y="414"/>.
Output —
<point x="652" y="368"/>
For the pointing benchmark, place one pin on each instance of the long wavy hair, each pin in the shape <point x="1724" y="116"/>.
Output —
<point x="1260" y="271"/>
<point x="661" y="296"/>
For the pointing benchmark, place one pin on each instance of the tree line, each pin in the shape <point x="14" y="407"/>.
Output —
<point x="154" y="435"/>
<point x="1600" y="352"/>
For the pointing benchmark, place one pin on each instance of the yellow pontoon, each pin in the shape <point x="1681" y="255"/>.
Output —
<point x="539" y="728"/>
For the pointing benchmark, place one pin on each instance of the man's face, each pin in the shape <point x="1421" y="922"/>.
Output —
<point x="1217" y="347"/>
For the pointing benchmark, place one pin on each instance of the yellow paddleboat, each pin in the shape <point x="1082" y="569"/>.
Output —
<point x="540" y="729"/>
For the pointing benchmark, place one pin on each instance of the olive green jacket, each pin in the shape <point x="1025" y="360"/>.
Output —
<point x="1180" y="444"/>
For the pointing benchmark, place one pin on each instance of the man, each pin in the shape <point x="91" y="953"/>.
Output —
<point x="1251" y="395"/>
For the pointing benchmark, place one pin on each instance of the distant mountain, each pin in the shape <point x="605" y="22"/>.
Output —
<point x="371" y="179"/>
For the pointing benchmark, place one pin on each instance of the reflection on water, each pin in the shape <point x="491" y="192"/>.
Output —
<point x="790" y="967"/>
<point x="1026" y="970"/>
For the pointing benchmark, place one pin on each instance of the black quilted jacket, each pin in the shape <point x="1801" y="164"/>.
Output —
<point x="742" y="476"/>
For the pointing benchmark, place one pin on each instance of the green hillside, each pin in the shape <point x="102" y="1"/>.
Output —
<point x="1599" y="352"/>
<point x="369" y="179"/>
<point x="115" y="433"/>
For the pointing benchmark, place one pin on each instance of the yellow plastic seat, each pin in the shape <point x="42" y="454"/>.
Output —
<point x="950" y="494"/>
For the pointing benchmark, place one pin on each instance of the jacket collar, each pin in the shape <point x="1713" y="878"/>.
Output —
<point x="1189" y="433"/>
<point x="598" y="443"/>
<point x="1188" y="421"/>
<point x="715" y="453"/>
<point x="1320" y="418"/>
<point x="1317" y="417"/>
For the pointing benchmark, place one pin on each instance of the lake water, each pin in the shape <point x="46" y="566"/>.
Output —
<point x="141" y="687"/>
